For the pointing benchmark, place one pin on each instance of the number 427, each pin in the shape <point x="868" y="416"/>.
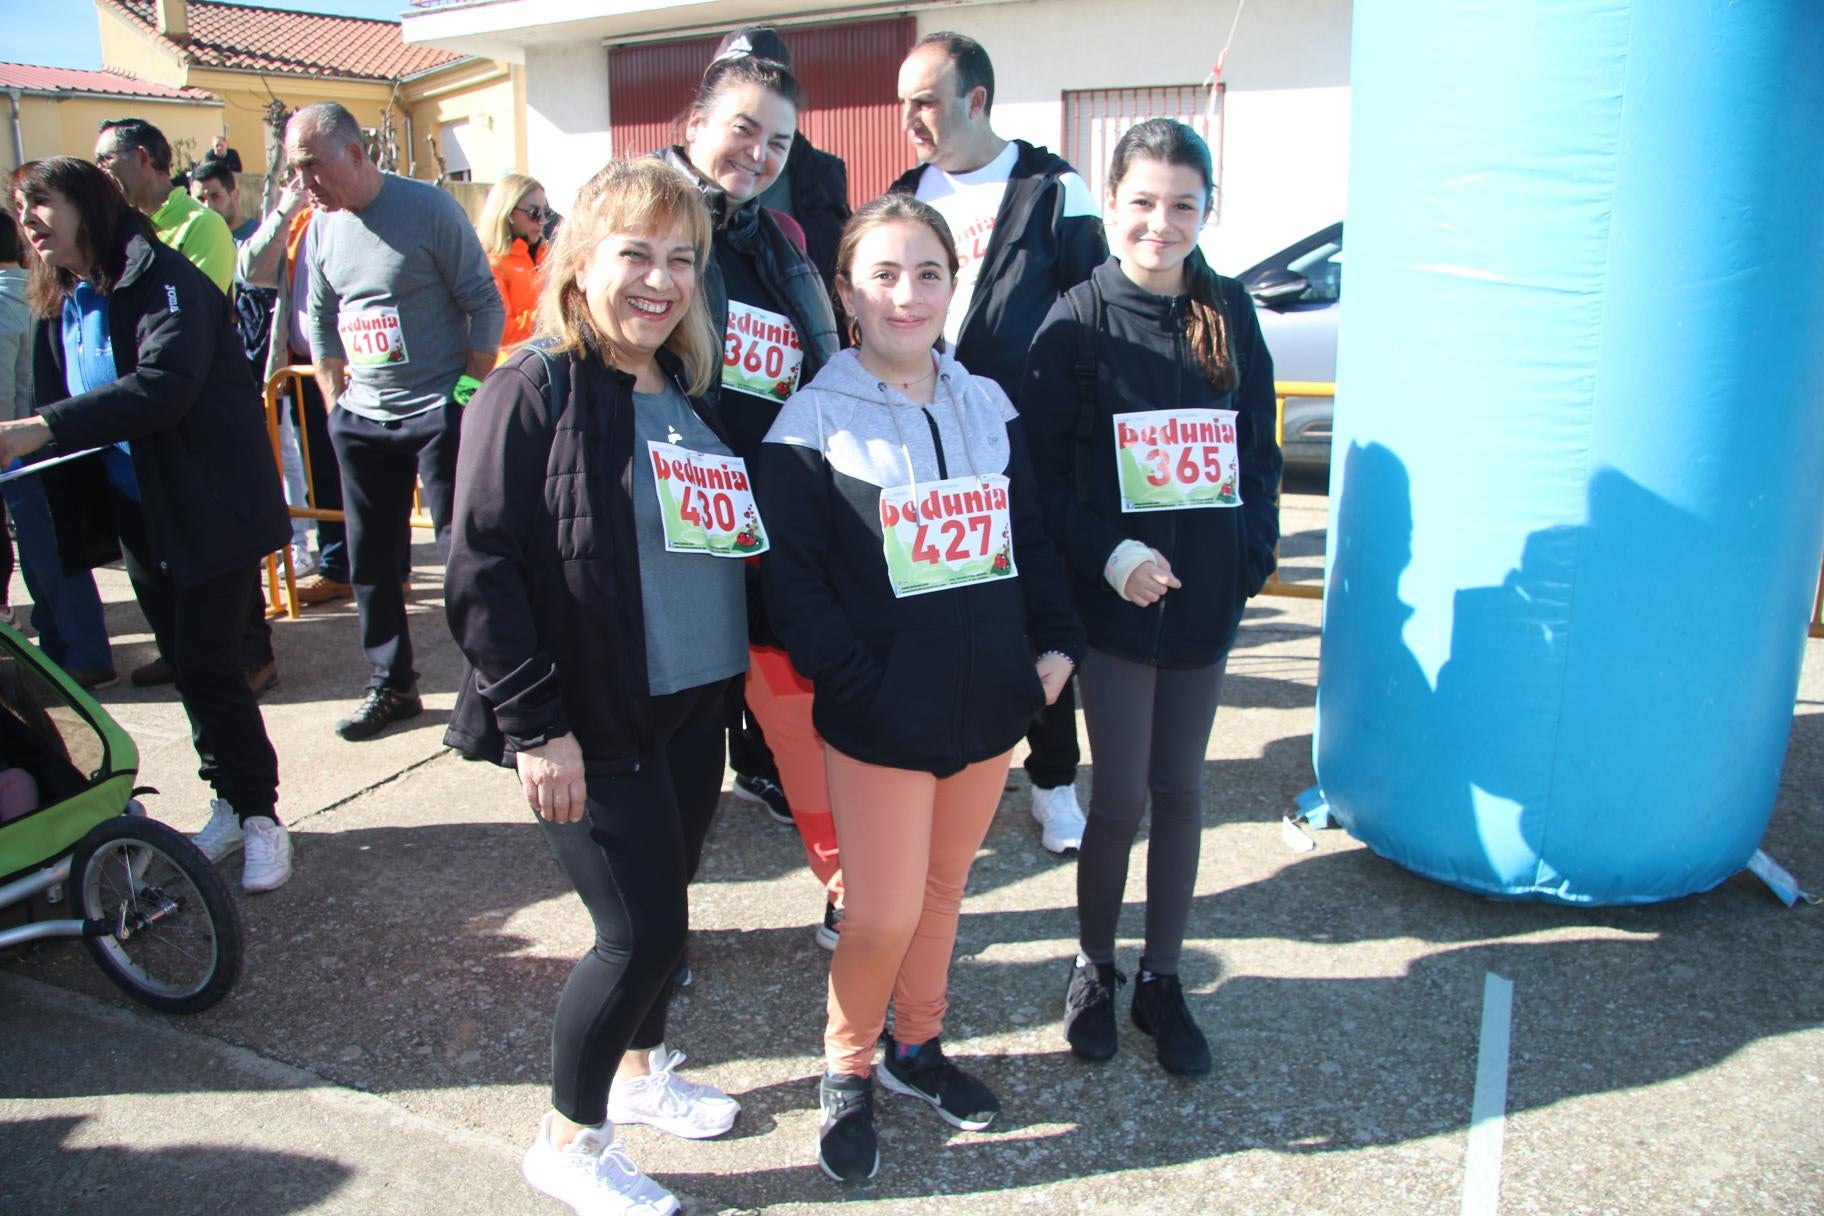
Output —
<point x="956" y="532"/>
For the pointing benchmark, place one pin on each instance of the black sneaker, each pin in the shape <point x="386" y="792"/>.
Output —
<point x="379" y="709"/>
<point x="958" y="1098"/>
<point x="1089" y="1009"/>
<point x="847" y="1148"/>
<point x="767" y="793"/>
<point x="1159" y="1010"/>
<point x="830" y="931"/>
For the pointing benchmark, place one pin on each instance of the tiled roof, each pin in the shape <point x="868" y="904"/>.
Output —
<point x="79" y="80"/>
<point x="247" y="38"/>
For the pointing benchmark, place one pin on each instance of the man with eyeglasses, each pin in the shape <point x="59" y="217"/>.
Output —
<point x="137" y="156"/>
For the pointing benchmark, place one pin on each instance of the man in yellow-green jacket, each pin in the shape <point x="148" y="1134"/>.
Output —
<point x="138" y="156"/>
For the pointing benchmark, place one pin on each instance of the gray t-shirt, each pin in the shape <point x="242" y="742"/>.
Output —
<point x="402" y="291"/>
<point x="695" y="605"/>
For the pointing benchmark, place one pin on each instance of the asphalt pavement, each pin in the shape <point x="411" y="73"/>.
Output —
<point x="386" y="1048"/>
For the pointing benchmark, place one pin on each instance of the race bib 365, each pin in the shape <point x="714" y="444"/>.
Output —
<point x="1169" y="460"/>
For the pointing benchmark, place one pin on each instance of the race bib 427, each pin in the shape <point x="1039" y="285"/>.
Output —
<point x="953" y="534"/>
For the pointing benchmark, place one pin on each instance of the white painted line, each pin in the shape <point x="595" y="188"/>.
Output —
<point x="1488" y="1114"/>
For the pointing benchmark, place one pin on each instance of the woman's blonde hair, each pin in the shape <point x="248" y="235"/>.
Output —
<point x="644" y="196"/>
<point x="495" y="227"/>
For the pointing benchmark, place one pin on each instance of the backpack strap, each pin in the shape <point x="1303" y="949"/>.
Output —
<point x="1084" y="370"/>
<point x="557" y="376"/>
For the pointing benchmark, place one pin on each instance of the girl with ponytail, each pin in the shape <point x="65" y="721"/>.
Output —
<point x="1149" y="398"/>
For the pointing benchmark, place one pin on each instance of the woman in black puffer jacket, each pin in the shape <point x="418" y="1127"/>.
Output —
<point x="773" y="314"/>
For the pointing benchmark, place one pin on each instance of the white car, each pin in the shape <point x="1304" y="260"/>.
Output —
<point x="1298" y="293"/>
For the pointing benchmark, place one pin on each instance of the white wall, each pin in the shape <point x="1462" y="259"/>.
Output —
<point x="567" y="132"/>
<point x="1286" y="132"/>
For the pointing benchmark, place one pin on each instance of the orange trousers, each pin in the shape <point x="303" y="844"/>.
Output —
<point x="908" y="840"/>
<point x="780" y="700"/>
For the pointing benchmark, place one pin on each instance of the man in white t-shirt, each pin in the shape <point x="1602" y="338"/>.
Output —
<point x="1027" y="230"/>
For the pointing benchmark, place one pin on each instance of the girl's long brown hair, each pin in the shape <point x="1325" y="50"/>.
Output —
<point x="1170" y="142"/>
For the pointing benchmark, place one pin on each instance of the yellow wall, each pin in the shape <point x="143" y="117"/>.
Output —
<point x="245" y="97"/>
<point x="125" y="49"/>
<point x="66" y="126"/>
<point x="489" y="96"/>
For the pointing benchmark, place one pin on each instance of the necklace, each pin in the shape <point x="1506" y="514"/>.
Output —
<point x="903" y="385"/>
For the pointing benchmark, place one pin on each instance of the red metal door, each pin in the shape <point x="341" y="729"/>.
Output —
<point x="850" y="75"/>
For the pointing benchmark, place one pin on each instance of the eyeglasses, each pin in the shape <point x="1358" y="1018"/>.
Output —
<point x="536" y="214"/>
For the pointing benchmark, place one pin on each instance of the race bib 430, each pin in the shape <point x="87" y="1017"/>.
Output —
<point x="372" y="337"/>
<point x="1168" y="460"/>
<point x="706" y="502"/>
<point x="761" y="354"/>
<point x="953" y="534"/>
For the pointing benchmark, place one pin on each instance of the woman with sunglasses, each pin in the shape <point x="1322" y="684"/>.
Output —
<point x="512" y="232"/>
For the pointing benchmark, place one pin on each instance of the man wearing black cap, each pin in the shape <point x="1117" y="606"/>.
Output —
<point x="814" y="186"/>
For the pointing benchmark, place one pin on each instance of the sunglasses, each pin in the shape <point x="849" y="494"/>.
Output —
<point x="535" y="214"/>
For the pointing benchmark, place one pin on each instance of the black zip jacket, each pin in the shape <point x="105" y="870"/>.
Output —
<point x="1143" y="362"/>
<point x="820" y="203"/>
<point x="749" y="231"/>
<point x="1035" y="255"/>
<point x="187" y="403"/>
<point x="542" y="588"/>
<point x="930" y="682"/>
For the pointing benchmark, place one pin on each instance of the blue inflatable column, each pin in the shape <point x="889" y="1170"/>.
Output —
<point x="1578" y="478"/>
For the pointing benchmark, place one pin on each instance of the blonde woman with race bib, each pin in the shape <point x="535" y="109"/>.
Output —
<point x="602" y="624"/>
<point x="911" y="580"/>
<point x="1150" y="397"/>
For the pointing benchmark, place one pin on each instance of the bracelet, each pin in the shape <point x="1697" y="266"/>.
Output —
<point x="1060" y="654"/>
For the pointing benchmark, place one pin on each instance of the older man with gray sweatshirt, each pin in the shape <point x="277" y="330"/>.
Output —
<point x="404" y="322"/>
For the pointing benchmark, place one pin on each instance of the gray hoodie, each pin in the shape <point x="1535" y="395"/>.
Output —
<point x="15" y="346"/>
<point x="872" y="432"/>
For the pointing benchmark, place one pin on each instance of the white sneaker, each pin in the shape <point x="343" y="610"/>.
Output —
<point x="594" y="1175"/>
<point x="303" y="561"/>
<point x="1058" y="813"/>
<point x="221" y="836"/>
<point x="670" y="1103"/>
<point x="268" y="861"/>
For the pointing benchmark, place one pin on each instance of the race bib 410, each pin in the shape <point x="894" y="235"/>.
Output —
<point x="372" y="337"/>
<point x="761" y="354"/>
<point x="953" y="534"/>
<point x="706" y="502"/>
<point x="1168" y="460"/>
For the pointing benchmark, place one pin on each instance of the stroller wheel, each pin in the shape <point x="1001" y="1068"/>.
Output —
<point x="173" y="932"/>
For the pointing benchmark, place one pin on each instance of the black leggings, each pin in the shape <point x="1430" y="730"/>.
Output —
<point x="1148" y="730"/>
<point x="630" y="858"/>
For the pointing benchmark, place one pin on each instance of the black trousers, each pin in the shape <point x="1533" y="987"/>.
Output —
<point x="312" y="421"/>
<point x="631" y="858"/>
<point x="379" y="462"/>
<point x="1053" y="739"/>
<point x="198" y="630"/>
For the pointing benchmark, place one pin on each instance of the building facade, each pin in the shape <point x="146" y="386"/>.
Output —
<point x="605" y="78"/>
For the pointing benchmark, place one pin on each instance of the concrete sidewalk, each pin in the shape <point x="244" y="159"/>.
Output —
<point x="386" y="1048"/>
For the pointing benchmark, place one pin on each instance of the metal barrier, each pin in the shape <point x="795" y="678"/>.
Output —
<point x="1817" y="609"/>
<point x="1281" y="390"/>
<point x="286" y="603"/>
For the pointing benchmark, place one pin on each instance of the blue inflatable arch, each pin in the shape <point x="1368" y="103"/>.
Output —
<point x="1578" y="483"/>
